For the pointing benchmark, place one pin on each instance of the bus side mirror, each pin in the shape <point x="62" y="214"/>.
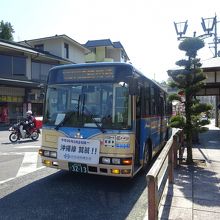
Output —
<point x="133" y="86"/>
<point x="43" y="88"/>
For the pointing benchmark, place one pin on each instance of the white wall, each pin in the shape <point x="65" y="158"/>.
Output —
<point x="76" y="54"/>
<point x="56" y="46"/>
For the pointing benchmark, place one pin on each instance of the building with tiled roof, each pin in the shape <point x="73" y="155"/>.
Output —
<point x="24" y="67"/>
<point x="105" y="51"/>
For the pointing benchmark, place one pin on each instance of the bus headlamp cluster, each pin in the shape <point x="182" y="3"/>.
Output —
<point x="106" y="160"/>
<point x="47" y="153"/>
<point x="116" y="161"/>
<point x="50" y="163"/>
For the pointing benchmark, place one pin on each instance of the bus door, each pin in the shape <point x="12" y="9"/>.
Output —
<point x="138" y="103"/>
<point x="162" y="108"/>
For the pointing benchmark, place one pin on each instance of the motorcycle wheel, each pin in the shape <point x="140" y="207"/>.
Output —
<point x="13" y="137"/>
<point x="34" y="136"/>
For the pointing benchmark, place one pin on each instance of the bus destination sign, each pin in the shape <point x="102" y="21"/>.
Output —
<point x="88" y="74"/>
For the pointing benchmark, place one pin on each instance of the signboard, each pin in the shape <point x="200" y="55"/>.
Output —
<point x="78" y="150"/>
<point x="88" y="74"/>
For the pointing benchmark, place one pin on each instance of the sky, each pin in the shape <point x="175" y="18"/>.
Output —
<point x="144" y="27"/>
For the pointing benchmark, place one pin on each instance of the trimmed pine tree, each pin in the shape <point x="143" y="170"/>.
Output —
<point x="188" y="79"/>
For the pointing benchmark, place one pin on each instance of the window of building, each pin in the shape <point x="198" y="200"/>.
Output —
<point x="40" y="71"/>
<point x="39" y="46"/>
<point x="12" y="65"/>
<point x="122" y="55"/>
<point x="19" y="66"/>
<point x="66" y="50"/>
<point x="35" y="71"/>
<point x="93" y="50"/>
<point x="6" y="65"/>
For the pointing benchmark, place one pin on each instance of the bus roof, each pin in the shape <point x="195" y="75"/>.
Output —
<point x="106" y="64"/>
<point x="81" y="65"/>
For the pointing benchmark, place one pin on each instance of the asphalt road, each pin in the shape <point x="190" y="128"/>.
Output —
<point x="18" y="159"/>
<point x="30" y="191"/>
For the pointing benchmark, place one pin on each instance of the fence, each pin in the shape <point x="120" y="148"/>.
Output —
<point x="163" y="169"/>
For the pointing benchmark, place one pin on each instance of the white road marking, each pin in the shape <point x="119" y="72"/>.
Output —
<point x="10" y="153"/>
<point x="29" y="163"/>
<point x="25" y="147"/>
<point x="7" y="180"/>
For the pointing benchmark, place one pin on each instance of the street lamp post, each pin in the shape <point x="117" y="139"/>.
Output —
<point x="209" y="26"/>
<point x="181" y="28"/>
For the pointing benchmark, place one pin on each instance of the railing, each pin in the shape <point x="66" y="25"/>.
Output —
<point x="163" y="169"/>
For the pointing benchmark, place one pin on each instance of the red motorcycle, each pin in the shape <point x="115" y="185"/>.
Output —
<point x="17" y="132"/>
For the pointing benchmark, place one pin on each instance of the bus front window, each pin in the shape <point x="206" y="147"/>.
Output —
<point x="88" y="105"/>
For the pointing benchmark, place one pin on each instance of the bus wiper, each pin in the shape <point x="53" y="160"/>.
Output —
<point x="77" y="109"/>
<point x="92" y="116"/>
<point x="66" y="118"/>
<point x="93" y="119"/>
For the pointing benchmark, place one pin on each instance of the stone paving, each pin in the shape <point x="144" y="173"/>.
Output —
<point x="195" y="194"/>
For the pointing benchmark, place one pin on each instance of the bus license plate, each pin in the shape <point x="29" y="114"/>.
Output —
<point x="78" y="168"/>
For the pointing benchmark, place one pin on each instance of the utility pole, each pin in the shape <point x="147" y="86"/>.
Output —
<point x="215" y="37"/>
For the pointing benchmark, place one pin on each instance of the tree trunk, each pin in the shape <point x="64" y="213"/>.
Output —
<point x="189" y="148"/>
<point x="188" y="128"/>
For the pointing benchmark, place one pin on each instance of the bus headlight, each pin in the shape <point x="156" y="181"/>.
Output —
<point x="116" y="161"/>
<point x="46" y="153"/>
<point x="53" y="154"/>
<point x="106" y="160"/>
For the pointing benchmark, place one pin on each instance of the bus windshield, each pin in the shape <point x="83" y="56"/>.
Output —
<point x="103" y="105"/>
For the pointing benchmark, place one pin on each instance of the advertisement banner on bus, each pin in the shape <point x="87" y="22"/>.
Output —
<point x="78" y="150"/>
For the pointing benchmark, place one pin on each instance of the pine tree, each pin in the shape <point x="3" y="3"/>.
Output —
<point x="189" y="80"/>
<point x="6" y="31"/>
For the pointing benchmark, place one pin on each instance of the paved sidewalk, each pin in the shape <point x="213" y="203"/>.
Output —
<point x="195" y="194"/>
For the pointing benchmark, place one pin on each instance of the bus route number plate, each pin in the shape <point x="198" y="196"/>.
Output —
<point x="78" y="168"/>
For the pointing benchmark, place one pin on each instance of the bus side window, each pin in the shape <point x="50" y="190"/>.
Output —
<point x="157" y="102"/>
<point x="142" y="102"/>
<point x="161" y="104"/>
<point x="138" y="107"/>
<point x="152" y="98"/>
<point x="147" y="100"/>
<point x="138" y="104"/>
<point x="164" y="105"/>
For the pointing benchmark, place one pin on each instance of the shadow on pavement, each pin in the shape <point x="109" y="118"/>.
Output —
<point x="196" y="191"/>
<point x="70" y="196"/>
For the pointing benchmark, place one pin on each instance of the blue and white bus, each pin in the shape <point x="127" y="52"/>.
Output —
<point x="102" y="118"/>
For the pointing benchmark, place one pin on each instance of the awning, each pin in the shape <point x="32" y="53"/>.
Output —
<point x="19" y="83"/>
